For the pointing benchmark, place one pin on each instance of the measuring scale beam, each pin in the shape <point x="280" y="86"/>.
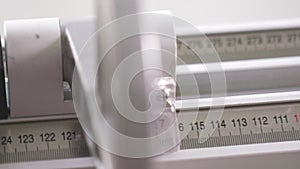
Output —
<point x="241" y="41"/>
<point x="268" y="121"/>
<point x="232" y="42"/>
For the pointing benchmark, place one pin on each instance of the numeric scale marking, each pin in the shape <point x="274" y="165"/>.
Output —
<point x="260" y="124"/>
<point x="42" y="140"/>
<point x="240" y="46"/>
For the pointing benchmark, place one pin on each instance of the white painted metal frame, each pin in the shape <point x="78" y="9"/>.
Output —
<point x="267" y="156"/>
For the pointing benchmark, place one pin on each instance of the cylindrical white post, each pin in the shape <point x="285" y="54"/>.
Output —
<point x="135" y="84"/>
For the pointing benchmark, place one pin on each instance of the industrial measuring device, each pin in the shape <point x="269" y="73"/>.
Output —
<point x="260" y="124"/>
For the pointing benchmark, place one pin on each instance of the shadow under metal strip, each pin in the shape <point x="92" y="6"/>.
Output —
<point x="3" y="100"/>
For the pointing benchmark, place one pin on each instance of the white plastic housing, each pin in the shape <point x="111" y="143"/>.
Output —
<point x="34" y="63"/>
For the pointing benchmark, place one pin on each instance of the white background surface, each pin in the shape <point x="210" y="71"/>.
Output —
<point x="199" y="12"/>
